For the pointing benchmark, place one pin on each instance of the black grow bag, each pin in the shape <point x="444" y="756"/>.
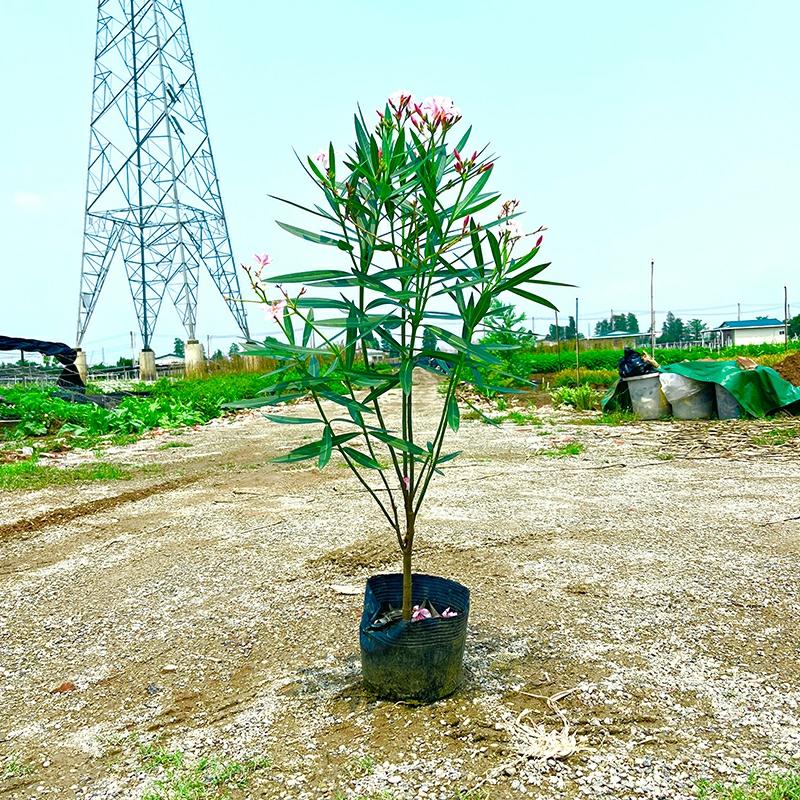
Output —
<point x="417" y="661"/>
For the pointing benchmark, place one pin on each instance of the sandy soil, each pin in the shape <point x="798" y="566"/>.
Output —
<point x="656" y="575"/>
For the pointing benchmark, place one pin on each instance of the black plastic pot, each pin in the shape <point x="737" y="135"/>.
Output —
<point x="414" y="661"/>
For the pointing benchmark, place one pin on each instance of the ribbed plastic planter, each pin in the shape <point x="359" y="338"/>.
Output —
<point x="414" y="661"/>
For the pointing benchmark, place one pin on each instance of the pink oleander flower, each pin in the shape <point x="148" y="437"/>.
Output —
<point x="263" y="260"/>
<point x="448" y="612"/>
<point x="465" y="224"/>
<point x="321" y="160"/>
<point x="418" y="614"/>
<point x="438" y="110"/>
<point x="276" y="308"/>
<point x="406" y="482"/>
<point x="539" y="241"/>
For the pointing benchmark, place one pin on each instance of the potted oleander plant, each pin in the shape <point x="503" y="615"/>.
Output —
<point x="426" y="249"/>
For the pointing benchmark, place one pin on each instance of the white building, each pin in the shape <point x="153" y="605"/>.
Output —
<point x="750" y="331"/>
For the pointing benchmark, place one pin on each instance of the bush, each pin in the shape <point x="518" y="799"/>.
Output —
<point x="581" y="398"/>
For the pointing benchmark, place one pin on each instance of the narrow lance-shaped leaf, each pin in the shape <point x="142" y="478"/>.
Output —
<point x="361" y="458"/>
<point x="312" y="449"/>
<point x="453" y="414"/>
<point x="326" y="447"/>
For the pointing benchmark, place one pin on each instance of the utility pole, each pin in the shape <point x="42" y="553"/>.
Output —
<point x="558" y="341"/>
<point x="785" y="317"/>
<point x="577" y="348"/>
<point x="652" y="309"/>
<point x="133" y="349"/>
<point x="739" y="311"/>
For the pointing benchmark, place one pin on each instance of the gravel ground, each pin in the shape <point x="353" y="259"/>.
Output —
<point x="650" y="583"/>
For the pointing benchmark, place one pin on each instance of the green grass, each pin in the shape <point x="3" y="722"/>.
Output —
<point x="171" y="445"/>
<point x="14" y="767"/>
<point x="569" y="449"/>
<point x="31" y="475"/>
<point x="206" y="779"/>
<point x="613" y="418"/>
<point x="775" y="437"/>
<point x="47" y="422"/>
<point x="361" y="765"/>
<point x="758" y="786"/>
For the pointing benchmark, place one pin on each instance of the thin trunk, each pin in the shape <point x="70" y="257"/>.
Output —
<point x="407" y="550"/>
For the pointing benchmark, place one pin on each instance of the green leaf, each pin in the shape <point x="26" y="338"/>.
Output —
<point x="309" y="327"/>
<point x="474" y="350"/>
<point x="347" y="402"/>
<point x="288" y="328"/>
<point x="309" y="276"/>
<point x="310" y="236"/>
<point x="406" y="375"/>
<point x="453" y="414"/>
<point x="292" y="420"/>
<point x="257" y="402"/>
<point x="312" y="449"/>
<point x="399" y="444"/>
<point x="449" y="457"/>
<point x="533" y="297"/>
<point x="326" y="447"/>
<point x="361" y="458"/>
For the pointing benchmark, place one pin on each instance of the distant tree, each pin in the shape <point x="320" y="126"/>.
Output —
<point x="619" y="323"/>
<point x="564" y="332"/>
<point x="794" y="327"/>
<point x="178" y="347"/>
<point x="695" y="328"/>
<point x="370" y="341"/>
<point x="218" y="355"/>
<point x="233" y="350"/>
<point x="429" y="340"/>
<point x="602" y="328"/>
<point x="672" y="330"/>
<point x="506" y="325"/>
<point x="124" y="362"/>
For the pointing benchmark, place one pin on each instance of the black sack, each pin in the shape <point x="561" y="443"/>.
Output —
<point x="632" y="364"/>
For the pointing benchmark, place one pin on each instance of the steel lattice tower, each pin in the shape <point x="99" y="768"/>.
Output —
<point x="152" y="190"/>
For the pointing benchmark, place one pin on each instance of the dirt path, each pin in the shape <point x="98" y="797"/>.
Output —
<point x="656" y="574"/>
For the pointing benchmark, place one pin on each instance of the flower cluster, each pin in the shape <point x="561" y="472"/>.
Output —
<point x="431" y="113"/>
<point x="275" y="308"/>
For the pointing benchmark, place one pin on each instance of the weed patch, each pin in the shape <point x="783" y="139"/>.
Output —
<point x="569" y="449"/>
<point x="775" y="786"/>
<point x="775" y="437"/>
<point x="32" y="475"/>
<point x="206" y="779"/>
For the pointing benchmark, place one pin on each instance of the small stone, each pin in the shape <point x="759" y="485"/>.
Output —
<point x="169" y="668"/>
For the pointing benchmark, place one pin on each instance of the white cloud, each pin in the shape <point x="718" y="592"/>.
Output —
<point x="28" y="201"/>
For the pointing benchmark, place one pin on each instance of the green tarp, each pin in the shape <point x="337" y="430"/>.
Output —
<point x="760" y="391"/>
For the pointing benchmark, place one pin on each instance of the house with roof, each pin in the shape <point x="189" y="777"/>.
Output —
<point x="767" y="330"/>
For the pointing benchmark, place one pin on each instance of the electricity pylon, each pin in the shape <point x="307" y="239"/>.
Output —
<point x="152" y="191"/>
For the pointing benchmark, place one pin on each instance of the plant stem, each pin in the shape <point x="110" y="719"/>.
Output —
<point x="407" y="551"/>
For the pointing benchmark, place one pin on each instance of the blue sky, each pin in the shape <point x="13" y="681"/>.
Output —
<point x="632" y="130"/>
